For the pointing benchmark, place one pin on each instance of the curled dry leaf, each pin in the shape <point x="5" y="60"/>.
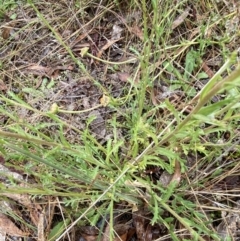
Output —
<point x="180" y="19"/>
<point x="131" y="232"/>
<point x="3" y="87"/>
<point x="8" y="28"/>
<point x="25" y="200"/>
<point x="120" y="232"/>
<point x="149" y="233"/>
<point x="51" y="72"/>
<point x="208" y="71"/>
<point x="139" y="223"/>
<point x="7" y="226"/>
<point x="22" y="199"/>
<point x="229" y="227"/>
<point x="38" y="70"/>
<point x="6" y="32"/>
<point x="81" y="37"/>
<point x="137" y="31"/>
<point x="106" y="234"/>
<point x="89" y="233"/>
<point x="123" y="76"/>
<point x="145" y="231"/>
<point x="153" y="97"/>
<point x="106" y="46"/>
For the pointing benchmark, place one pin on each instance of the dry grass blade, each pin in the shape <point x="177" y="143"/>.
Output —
<point x="40" y="228"/>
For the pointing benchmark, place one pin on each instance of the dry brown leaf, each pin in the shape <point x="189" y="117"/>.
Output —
<point x="55" y="73"/>
<point x="123" y="76"/>
<point x="106" y="46"/>
<point x="20" y="198"/>
<point x="131" y="232"/>
<point x="120" y="232"/>
<point x="106" y="234"/>
<point x="137" y="31"/>
<point x="177" y="173"/>
<point x="3" y="87"/>
<point x="139" y="224"/>
<point x="208" y="71"/>
<point x="153" y="97"/>
<point x="50" y="72"/>
<point x="180" y="19"/>
<point x="38" y="70"/>
<point x="24" y="199"/>
<point x="6" y="32"/>
<point x="81" y="37"/>
<point x="149" y="233"/>
<point x="89" y="233"/>
<point x="7" y="226"/>
<point x="2" y="160"/>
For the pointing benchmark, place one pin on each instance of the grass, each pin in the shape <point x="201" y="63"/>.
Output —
<point x="164" y="117"/>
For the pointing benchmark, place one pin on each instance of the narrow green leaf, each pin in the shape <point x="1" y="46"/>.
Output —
<point x="58" y="229"/>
